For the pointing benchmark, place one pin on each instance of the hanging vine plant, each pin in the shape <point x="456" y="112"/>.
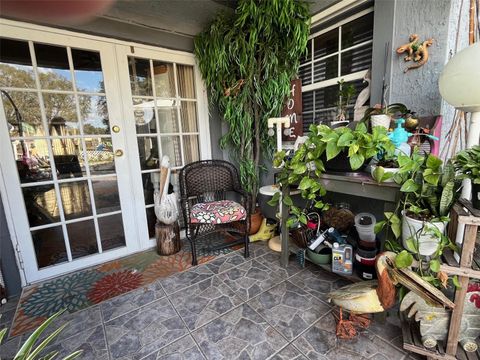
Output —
<point x="247" y="61"/>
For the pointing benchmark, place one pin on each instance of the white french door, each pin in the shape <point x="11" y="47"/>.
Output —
<point x="163" y="107"/>
<point x="84" y="123"/>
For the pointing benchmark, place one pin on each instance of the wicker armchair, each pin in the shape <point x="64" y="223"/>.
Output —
<point x="208" y="189"/>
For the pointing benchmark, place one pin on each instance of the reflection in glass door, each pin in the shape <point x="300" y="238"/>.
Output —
<point x="54" y="100"/>
<point x="164" y="105"/>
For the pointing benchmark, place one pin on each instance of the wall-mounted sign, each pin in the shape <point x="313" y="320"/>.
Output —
<point x="293" y="109"/>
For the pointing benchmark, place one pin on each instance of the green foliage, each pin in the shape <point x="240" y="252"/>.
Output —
<point x="380" y="175"/>
<point x="247" y="61"/>
<point x="391" y="110"/>
<point x="345" y="94"/>
<point x="30" y="350"/>
<point x="429" y="189"/>
<point x="323" y="142"/>
<point x="403" y="259"/>
<point x="467" y="163"/>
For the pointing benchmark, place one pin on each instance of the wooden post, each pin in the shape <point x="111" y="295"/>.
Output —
<point x="465" y="261"/>
<point x="168" y="238"/>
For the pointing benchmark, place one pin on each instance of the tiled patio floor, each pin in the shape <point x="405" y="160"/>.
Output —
<point x="230" y="308"/>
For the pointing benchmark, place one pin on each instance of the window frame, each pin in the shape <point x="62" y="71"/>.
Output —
<point x="358" y="75"/>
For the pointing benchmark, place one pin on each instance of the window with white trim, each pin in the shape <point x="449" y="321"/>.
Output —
<point x="339" y="51"/>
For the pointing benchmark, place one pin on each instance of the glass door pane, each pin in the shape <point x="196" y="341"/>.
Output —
<point x="165" y="112"/>
<point x="58" y="124"/>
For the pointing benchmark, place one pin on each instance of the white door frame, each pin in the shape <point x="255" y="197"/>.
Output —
<point x="112" y="52"/>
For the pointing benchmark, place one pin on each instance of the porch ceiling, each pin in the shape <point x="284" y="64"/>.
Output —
<point x="179" y="16"/>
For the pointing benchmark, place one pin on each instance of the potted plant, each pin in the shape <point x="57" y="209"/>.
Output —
<point x="324" y="144"/>
<point x="247" y="61"/>
<point x="345" y="95"/>
<point x="429" y="190"/>
<point x="382" y="115"/>
<point x="467" y="163"/>
<point x="384" y="169"/>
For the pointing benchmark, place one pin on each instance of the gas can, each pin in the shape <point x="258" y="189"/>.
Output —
<point x="342" y="259"/>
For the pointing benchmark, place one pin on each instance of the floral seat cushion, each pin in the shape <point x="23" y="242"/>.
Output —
<point x="217" y="212"/>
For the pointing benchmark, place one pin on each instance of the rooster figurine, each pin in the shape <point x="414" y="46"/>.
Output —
<point x="434" y="321"/>
<point x="368" y="297"/>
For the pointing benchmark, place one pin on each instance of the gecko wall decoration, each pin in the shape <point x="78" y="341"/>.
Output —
<point x="416" y="50"/>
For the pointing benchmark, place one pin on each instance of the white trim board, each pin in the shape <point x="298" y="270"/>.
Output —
<point x="334" y="10"/>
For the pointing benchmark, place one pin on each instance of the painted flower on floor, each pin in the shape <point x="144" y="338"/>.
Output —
<point x="68" y="292"/>
<point x="115" y="284"/>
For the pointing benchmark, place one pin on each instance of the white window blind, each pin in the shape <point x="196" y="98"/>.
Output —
<point x="339" y="51"/>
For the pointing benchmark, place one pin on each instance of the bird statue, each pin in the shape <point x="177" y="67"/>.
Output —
<point x="362" y="98"/>
<point x="434" y="321"/>
<point x="375" y="296"/>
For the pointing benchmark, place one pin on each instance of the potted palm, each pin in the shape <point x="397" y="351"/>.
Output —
<point x="467" y="163"/>
<point x="247" y="61"/>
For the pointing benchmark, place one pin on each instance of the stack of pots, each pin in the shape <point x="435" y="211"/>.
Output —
<point x="367" y="246"/>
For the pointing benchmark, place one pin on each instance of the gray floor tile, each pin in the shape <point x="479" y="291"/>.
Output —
<point x="6" y="318"/>
<point x="367" y="345"/>
<point x="388" y="329"/>
<point x="289" y="352"/>
<point x="315" y="281"/>
<point x="240" y="334"/>
<point x="142" y="331"/>
<point x="317" y="341"/>
<point x="250" y="279"/>
<point x="205" y="301"/>
<point x="91" y="342"/>
<point x="9" y="348"/>
<point x="289" y="309"/>
<point x="226" y="262"/>
<point x="184" y="279"/>
<point x="259" y="248"/>
<point x="183" y="349"/>
<point x="78" y="321"/>
<point x="340" y="353"/>
<point x="272" y="260"/>
<point x="127" y="302"/>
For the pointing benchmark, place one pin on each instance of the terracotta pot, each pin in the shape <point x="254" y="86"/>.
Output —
<point x="255" y="221"/>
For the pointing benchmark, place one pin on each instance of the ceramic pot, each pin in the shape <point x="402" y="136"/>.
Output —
<point x="387" y="170"/>
<point x="255" y="221"/>
<point x="427" y="243"/>
<point x="380" y="120"/>
<point x="476" y="196"/>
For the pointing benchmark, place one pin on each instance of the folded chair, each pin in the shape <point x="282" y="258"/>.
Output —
<point x="213" y="202"/>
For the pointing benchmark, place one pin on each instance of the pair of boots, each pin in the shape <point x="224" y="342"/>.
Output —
<point x="266" y="231"/>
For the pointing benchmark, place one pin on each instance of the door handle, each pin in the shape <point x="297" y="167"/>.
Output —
<point x="116" y="129"/>
<point x="118" y="153"/>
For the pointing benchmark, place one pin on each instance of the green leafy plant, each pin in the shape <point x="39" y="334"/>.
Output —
<point x="247" y="61"/>
<point x="467" y="163"/>
<point x="30" y="350"/>
<point x="379" y="174"/>
<point x="429" y="189"/>
<point x="325" y="143"/>
<point x="345" y="94"/>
